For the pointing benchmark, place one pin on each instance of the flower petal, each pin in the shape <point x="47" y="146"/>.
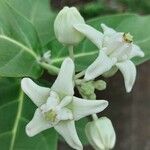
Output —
<point x="67" y="130"/>
<point x="122" y="53"/>
<point x="37" y="124"/>
<point x="64" y="82"/>
<point x="82" y="107"/>
<point x="64" y="114"/>
<point x="136" y="51"/>
<point x="91" y="33"/>
<point x="128" y="70"/>
<point x="107" y="30"/>
<point x="36" y="93"/>
<point x="102" y="64"/>
<point x="65" y="101"/>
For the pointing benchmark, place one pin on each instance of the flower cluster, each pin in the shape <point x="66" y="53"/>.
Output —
<point x="57" y="106"/>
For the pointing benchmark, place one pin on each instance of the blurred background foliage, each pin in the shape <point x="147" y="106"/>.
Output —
<point x="93" y="8"/>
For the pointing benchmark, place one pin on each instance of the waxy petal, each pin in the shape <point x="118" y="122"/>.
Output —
<point x="128" y="70"/>
<point x="102" y="64"/>
<point x="107" y="30"/>
<point x="136" y="51"/>
<point x="65" y="101"/>
<point x="91" y="33"/>
<point x="82" y="108"/>
<point x="64" y="114"/>
<point x="35" y="92"/>
<point x="122" y="53"/>
<point x="67" y="130"/>
<point x="64" y="82"/>
<point x="37" y="124"/>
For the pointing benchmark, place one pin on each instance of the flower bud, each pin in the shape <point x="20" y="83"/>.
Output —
<point x="87" y="90"/>
<point x="101" y="134"/>
<point x="64" y="26"/>
<point x="100" y="85"/>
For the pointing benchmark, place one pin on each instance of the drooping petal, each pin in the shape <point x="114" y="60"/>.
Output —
<point x="128" y="70"/>
<point x="64" y="114"/>
<point x="122" y="53"/>
<point x="91" y="33"/>
<point x="37" y="124"/>
<point x="107" y="30"/>
<point x="102" y="64"/>
<point x="67" y="130"/>
<point x="136" y="51"/>
<point x="82" y="107"/>
<point x="35" y="92"/>
<point x="112" y="43"/>
<point x="64" y="82"/>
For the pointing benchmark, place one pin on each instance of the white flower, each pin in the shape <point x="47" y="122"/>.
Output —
<point x="101" y="134"/>
<point x="63" y="26"/>
<point x="57" y="107"/>
<point x="116" y="50"/>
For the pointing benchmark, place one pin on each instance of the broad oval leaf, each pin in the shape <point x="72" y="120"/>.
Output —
<point x="15" y="112"/>
<point x="19" y="45"/>
<point x="40" y="14"/>
<point x="86" y="52"/>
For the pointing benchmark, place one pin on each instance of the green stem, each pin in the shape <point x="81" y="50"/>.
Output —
<point x="71" y="52"/>
<point x="51" y="69"/>
<point x="95" y="117"/>
<point x="80" y="74"/>
<point x="79" y="82"/>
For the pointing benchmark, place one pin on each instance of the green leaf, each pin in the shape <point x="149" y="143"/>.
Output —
<point x="40" y="15"/>
<point x="86" y="52"/>
<point x="80" y="126"/>
<point x="15" y="112"/>
<point x="19" y="45"/>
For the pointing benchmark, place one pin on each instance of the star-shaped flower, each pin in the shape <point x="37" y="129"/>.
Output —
<point x="57" y="107"/>
<point x="116" y="50"/>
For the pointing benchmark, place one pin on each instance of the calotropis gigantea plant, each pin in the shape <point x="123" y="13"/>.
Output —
<point x="64" y="61"/>
<point x="58" y="107"/>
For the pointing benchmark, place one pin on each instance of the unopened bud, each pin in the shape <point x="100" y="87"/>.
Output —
<point x="101" y="134"/>
<point x="100" y="85"/>
<point x="87" y="90"/>
<point x="64" y="26"/>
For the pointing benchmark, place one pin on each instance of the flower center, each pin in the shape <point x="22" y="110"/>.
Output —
<point x="50" y="115"/>
<point x="128" y="37"/>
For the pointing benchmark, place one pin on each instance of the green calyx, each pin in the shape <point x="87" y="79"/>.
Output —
<point x="87" y="89"/>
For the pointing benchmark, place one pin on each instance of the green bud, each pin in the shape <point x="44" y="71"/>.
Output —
<point x="100" y="85"/>
<point x="111" y="72"/>
<point x="87" y="90"/>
